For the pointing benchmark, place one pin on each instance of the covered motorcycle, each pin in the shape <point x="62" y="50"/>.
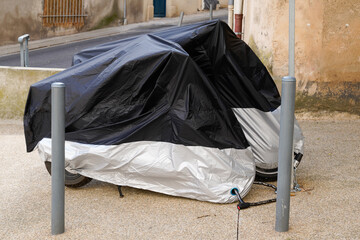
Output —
<point x="189" y="111"/>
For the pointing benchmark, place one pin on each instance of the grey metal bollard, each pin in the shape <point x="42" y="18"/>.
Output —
<point x="211" y="11"/>
<point x="58" y="158"/>
<point x="125" y="19"/>
<point x="285" y="165"/>
<point x="181" y="19"/>
<point x="285" y="153"/>
<point x="24" y="50"/>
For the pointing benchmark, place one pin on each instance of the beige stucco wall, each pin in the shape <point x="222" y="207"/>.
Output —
<point x="148" y="13"/>
<point x="97" y="10"/>
<point x="327" y="44"/>
<point x="223" y="3"/>
<point x="175" y="7"/>
<point x="14" y="87"/>
<point x="138" y="10"/>
<point x="258" y="26"/>
<point x="18" y="17"/>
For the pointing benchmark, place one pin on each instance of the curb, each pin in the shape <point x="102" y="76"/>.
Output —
<point x="31" y="69"/>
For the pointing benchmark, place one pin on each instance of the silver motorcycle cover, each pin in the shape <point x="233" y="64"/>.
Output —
<point x="262" y="130"/>
<point x="202" y="173"/>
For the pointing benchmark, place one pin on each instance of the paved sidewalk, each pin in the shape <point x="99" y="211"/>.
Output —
<point x="326" y="209"/>
<point x="48" y="42"/>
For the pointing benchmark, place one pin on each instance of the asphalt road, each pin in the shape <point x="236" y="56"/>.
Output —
<point x="61" y="56"/>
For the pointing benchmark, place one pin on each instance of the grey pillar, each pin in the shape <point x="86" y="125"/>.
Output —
<point x="22" y="61"/>
<point x="285" y="153"/>
<point x="285" y="165"/>
<point x="125" y="19"/>
<point x="24" y="50"/>
<point x="26" y="47"/>
<point x="58" y="158"/>
<point x="211" y="11"/>
<point x="181" y="19"/>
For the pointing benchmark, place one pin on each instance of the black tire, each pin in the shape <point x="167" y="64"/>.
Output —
<point x="266" y="175"/>
<point x="71" y="180"/>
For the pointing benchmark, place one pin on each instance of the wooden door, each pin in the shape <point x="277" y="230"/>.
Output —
<point x="159" y="8"/>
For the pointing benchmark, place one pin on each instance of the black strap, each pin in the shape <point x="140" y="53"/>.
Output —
<point x="243" y="205"/>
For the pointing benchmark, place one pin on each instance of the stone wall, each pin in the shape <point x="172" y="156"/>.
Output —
<point x="327" y="44"/>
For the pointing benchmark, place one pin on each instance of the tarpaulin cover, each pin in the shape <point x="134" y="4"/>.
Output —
<point x="243" y="81"/>
<point x="161" y="112"/>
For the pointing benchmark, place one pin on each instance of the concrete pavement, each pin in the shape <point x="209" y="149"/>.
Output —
<point x="55" y="41"/>
<point x="326" y="209"/>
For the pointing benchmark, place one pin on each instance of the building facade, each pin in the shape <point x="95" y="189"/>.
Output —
<point x="48" y="18"/>
<point x="327" y="45"/>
